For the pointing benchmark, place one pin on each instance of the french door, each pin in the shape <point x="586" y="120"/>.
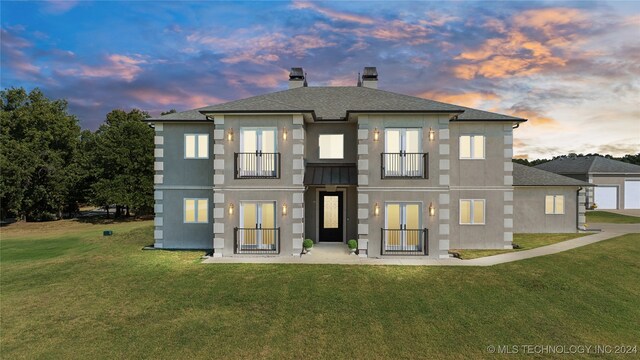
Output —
<point x="402" y="226"/>
<point x="258" y="225"/>
<point x="257" y="156"/>
<point x="403" y="152"/>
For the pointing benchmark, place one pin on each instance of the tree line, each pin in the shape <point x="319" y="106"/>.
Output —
<point x="49" y="166"/>
<point x="629" y="158"/>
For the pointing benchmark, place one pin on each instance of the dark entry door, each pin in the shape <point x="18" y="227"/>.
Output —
<point x="331" y="225"/>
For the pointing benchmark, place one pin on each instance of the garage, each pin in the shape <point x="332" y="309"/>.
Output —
<point x="632" y="194"/>
<point x="606" y="197"/>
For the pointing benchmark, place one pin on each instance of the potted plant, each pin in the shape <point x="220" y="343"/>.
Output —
<point x="353" y="246"/>
<point x="307" y="244"/>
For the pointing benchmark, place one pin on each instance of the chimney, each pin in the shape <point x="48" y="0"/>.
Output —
<point x="370" y="77"/>
<point x="297" y="78"/>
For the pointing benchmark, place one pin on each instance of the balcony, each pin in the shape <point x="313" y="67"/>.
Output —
<point x="256" y="241"/>
<point x="404" y="165"/>
<point x="404" y="242"/>
<point x="257" y="165"/>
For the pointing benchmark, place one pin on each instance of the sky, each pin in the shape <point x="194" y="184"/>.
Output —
<point x="571" y="68"/>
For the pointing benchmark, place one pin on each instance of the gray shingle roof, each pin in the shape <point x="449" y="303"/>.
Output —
<point x="333" y="103"/>
<point x="530" y="176"/>
<point x="588" y="165"/>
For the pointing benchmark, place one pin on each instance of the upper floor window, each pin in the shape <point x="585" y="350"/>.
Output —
<point x="472" y="212"/>
<point x="554" y="204"/>
<point x="403" y="156"/>
<point x="472" y="147"/>
<point x="196" y="146"/>
<point x="196" y="210"/>
<point x="257" y="157"/>
<point x="331" y="146"/>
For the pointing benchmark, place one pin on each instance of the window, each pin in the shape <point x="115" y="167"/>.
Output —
<point x="471" y="212"/>
<point x="472" y="147"/>
<point x="403" y="156"/>
<point x="196" y="146"/>
<point x="257" y="225"/>
<point x="554" y="204"/>
<point x="331" y="146"/>
<point x="196" y="210"/>
<point x="402" y="227"/>
<point x="257" y="157"/>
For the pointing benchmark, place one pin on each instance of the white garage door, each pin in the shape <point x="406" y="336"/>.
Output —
<point x="606" y="197"/>
<point x="632" y="194"/>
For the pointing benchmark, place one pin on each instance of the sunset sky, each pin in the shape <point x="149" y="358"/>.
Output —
<point x="572" y="69"/>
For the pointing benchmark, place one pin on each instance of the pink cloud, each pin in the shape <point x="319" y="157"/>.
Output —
<point x="332" y="14"/>
<point x="13" y="49"/>
<point x="174" y="97"/>
<point x="117" y="66"/>
<point x="59" y="6"/>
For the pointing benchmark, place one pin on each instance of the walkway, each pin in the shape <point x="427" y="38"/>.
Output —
<point x="338" y="253"/>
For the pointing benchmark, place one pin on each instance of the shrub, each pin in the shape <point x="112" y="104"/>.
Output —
<point x="307" y="243"/>
<point x="352" y="244"/>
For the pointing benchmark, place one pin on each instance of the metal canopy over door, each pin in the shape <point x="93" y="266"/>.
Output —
<point x="330" y="215"/>
<point x="632" y="194"/>
<point x="606" y="197"/>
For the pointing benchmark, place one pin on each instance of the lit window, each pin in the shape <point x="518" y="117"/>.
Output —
<point x="554" y="204"/>
<point x="196" y="210"/>
<point x="472" y="147"/>
<point x="331" y="146"/>
<point x="472" y="212"/>
<point x="196" y="146"/>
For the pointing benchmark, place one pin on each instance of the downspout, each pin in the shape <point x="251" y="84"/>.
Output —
<point x="516" y="126"/>
<point x="578" y="208"/>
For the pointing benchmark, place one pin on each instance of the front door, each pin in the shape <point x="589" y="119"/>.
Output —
<point x="331" y="225"/>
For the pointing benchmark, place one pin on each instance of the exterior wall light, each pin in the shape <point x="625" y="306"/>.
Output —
<point x="284" y="209"/>
<point x="376" y="134"/>
<point x="432" y="209"/>
<point x="230" y="134"/>
<point x="432" y="134"/>
<point x="231" y="209"/>
<point x="376" y="209"/>
<point x="284" y="134"/>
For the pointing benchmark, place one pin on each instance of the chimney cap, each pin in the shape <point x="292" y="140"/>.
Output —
<point x="370" y="73"/>
<point x="296" y="74"/>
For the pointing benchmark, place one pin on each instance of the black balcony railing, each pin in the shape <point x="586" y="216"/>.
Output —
<point x="256" y="241"/>
<point x="404" y="165"/>
<point x="404" y="242"/>
<point x="257" y="165"/>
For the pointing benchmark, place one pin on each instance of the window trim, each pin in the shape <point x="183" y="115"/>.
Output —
<point x="196" y="143"/>
<point x="195" y="211"/>
<point x="484" y="212"/>
<point x="331" y="158"/>
<point x="554" y="205"/>
<point x="472" y="147"/>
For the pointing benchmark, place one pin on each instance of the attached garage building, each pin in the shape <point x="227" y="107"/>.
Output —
<point x="617" y="184"/>
<point x="545" y="202"/>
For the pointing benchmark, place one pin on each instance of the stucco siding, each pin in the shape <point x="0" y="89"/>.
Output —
<point x="179" y="171"/>
<point x="491" y="234"/>
<point x="177" y="234"/>
<point x="529" y="210"/>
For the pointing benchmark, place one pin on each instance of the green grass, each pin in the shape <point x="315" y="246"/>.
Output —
<point x="609" y="217"/>
<point x="526" y="242"/>
<point x="102" y="297"/>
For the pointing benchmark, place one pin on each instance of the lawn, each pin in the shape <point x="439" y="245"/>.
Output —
<point x="525" y="241"/>
<point x="82" y="295"/>
<point x="609" y="217"/>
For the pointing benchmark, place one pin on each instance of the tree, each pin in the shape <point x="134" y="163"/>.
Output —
<point x="172" y="111"/>
<point x="122" y="162"/>
<point x="38" y="140"/>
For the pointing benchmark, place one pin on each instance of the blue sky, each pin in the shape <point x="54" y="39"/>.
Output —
<point x="569" y="67"/>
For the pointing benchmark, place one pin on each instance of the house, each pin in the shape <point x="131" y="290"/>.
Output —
<point x="402" y="175"/>
<point x="546" y="202"/>
<point x="617" y="184"/>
